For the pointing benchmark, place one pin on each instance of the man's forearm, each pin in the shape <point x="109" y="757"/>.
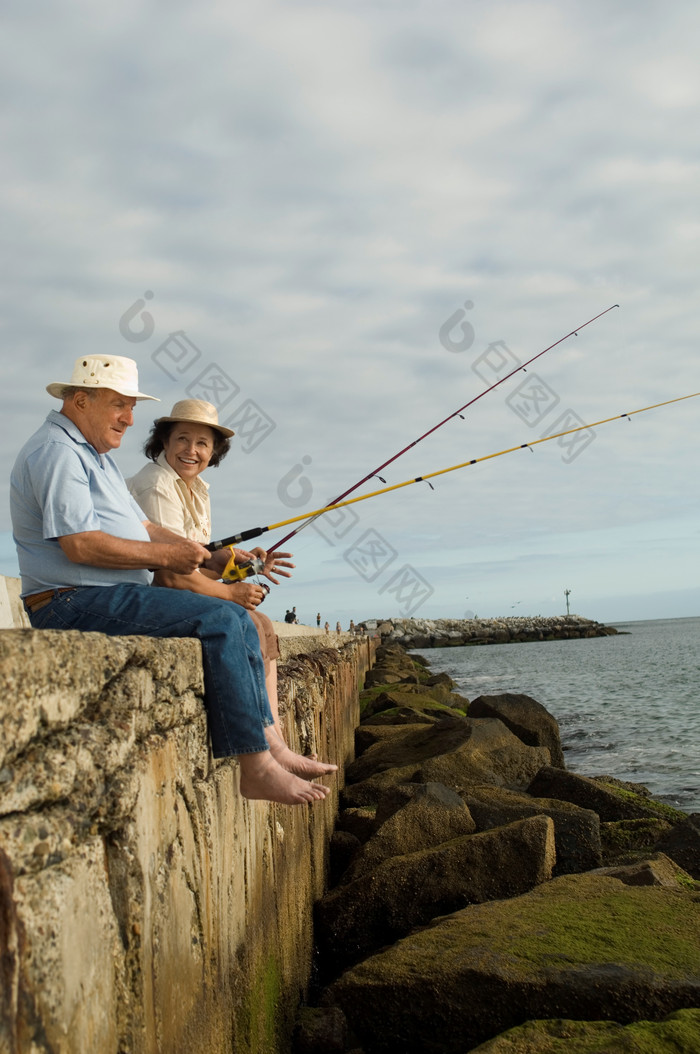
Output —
<point x="213" y="561"/>
<point x="98" y="549"/>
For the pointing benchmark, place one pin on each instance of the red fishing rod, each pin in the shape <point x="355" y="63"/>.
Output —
<point x="456" y="413"/>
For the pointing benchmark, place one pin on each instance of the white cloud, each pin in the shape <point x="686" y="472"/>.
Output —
<point x="311" y="190"/>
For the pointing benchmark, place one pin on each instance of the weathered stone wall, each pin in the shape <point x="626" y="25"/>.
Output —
<point x="12" y="613"/>
<point x="145" y="906"/>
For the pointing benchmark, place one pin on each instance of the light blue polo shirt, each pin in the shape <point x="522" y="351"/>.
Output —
<point x="60" y="485"/>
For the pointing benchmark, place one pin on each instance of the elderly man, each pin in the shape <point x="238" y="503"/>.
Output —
<point x="86" y="556"/>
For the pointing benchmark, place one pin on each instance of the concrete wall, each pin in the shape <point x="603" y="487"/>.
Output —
<point x="145" y="906"/>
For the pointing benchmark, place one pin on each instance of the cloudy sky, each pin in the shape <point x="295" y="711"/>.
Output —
<point x="340" y="222"/>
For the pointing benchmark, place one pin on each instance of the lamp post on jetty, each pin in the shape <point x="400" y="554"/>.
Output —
<point x="566" y="594"/>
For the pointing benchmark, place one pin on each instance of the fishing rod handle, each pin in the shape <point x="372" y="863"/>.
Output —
<point x="253" y="532"/>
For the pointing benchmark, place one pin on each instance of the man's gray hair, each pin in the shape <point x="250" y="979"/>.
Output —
<point x="72" y="389"/>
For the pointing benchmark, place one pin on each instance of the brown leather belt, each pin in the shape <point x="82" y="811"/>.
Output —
<point x="35" y="601"/>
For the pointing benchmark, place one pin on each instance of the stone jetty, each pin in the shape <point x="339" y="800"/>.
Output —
<point x="453" y="633"/>
<point x="483" y="898"/>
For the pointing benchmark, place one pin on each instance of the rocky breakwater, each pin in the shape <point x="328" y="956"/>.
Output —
<point x="484" y="898"/>
<point x="451" y="633"/>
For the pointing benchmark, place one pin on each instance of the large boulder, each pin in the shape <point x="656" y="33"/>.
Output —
<point x="611" y="801"/>
<point x="360" y="822"/>
<point x="584" y="947"/>
<point x="343" y="846"/>
<point x="407" y="746"/>
<point x="408" y="715"/>
<point x="367" y="735"/>
<point x="386" y="674"/>
<point x="493" y="751"/>
<point x="421" y="698"/>
<point x="682" y="844"/>
<point x="625" y="838"/>
<point x="526" y="718"/>
<point x="320" y="1030"/>
<point x="393" y="666"/>
<point x="456" y="751"/>
<point x="576" y="831"/>
<point x="425" y="815"/>
<point x="443" y="679"/>
<point x="679" y="1033"/>
<point x="368" y="792"/>
<point x="656" y="870"/>
<point x="409" y="890"/>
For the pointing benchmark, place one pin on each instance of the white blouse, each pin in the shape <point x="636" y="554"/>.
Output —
<point x="167" y="501"/>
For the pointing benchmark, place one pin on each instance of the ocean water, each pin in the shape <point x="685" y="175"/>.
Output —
<point x="627" y="706"/>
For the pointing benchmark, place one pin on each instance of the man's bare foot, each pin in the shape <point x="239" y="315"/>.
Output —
<point x="263" y="779"/>
<point x="301" y="765"/>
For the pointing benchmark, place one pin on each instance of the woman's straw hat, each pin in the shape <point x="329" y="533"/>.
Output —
<point x="103" y="371"/>
<point x="196" y="411"/>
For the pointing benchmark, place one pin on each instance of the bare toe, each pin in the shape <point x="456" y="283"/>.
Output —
<point x="306" y="766"/>
<point x="263" y="779"/>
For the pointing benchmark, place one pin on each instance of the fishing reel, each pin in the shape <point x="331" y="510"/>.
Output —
<point x="237" y="572"/>
<point x="234" y="572"/>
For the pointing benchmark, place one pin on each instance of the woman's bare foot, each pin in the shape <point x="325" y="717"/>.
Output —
<point x="263" y="779"/>
<point x="301" y="765"/>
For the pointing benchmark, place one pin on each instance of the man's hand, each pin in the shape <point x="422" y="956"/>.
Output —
<point x="217" y="560"/>
<point x="183" y="557"/>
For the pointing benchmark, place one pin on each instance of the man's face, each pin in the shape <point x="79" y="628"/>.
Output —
<point x="104" y="418"/>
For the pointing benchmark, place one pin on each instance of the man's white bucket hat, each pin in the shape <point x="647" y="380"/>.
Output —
<point x="103" y="371"/>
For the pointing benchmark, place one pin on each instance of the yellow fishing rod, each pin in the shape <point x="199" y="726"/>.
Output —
<point x="254" y="532"/>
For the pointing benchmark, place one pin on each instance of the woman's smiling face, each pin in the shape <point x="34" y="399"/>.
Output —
<point x="188" y="449"/>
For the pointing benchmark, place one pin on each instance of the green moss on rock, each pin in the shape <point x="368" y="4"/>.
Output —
<point x="423" y="674"/>
<point x="617" y="928"/>
<point x="581" y="947"/>
<point x="368" y="694"/>
<point x="628" y="836"/>
<point x="423" y="706"/>
<point x="392" y="697"/>
<point x="648" y="805"/>
<point x="679" y="1033"/>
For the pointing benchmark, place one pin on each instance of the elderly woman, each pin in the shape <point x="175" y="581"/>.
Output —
<point x="172" y="494"/>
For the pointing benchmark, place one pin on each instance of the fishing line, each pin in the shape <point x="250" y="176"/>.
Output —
<point x="309" y="517"/>
<point x="254" y="532"/>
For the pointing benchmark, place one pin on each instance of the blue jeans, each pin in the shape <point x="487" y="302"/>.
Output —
<point x="234" y="677"/>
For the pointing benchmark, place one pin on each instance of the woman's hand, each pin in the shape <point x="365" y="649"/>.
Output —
<point x="247" y="594"/>
<point x="274" y="562"/>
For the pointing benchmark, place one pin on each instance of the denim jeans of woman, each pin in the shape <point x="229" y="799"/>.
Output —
<point x="234" y="678"/>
